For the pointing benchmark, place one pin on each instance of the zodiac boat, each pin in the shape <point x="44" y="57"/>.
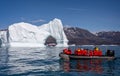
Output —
<point x="73" y="56"/>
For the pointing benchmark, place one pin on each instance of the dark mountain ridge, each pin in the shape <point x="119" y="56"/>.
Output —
<point x="80" y="36"/>
<point x="112" y="36"/>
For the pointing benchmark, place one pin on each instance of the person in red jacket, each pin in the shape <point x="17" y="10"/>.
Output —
<point x="67" y="51"/>
<point x="90" y="53"/>
<point x="85" y="52"/>
<point x="75" y="52"/>
<point x="78" y="51"/>
<point x="97" y="52"/>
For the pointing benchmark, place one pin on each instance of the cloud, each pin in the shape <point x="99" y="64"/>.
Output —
<point x="67" y="25"/>
<point x="38" y="21"/>
<point x="32" y="21"/>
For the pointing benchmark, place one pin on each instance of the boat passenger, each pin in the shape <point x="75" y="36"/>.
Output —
<point x="97" y="52"/>
<point x="67" y="51"/>
<point x="85" y="52"/>
<point x="78" y="51"/>
<point x="75" y="52"/>
<point x="90" y="53"/>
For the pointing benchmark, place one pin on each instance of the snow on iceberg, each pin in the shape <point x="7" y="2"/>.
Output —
<point x="55" y="28"/>
<point x="28" y="35"/>
<point x="3" y="38"/>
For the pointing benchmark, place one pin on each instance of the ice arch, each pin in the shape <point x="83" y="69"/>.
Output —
<point x="28" y="35"/>
<point x="50" y="41"/>
<point x="55" y="29"/>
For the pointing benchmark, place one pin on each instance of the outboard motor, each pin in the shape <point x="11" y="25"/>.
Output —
<point x="113" y="53"/>
<point x="110" y="53"/>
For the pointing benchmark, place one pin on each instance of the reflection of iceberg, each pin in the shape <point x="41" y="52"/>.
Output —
<point x="27" y="35"/>
<point x="23" y="60"/>
<point x="3" y="56"/>
<point x="35" y="53"/>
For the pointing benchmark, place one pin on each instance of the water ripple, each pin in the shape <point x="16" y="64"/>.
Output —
<point x="46" y="61"/>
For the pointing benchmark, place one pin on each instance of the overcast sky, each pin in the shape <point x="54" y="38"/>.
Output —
<point x="93" y="15"/>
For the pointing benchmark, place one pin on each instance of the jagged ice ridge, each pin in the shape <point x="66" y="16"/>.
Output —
<point x="27" y="35"/>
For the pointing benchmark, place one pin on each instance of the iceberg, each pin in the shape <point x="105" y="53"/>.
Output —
<point x="3" y="38"/>
<point x="27" y="35"/>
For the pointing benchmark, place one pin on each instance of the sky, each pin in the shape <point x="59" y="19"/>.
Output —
<point x="92" y="15"/>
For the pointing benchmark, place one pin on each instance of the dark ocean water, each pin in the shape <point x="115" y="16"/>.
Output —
<point x="46" y="62"/>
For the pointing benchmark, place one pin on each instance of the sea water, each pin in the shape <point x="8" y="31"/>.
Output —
<point x="46" y="62"/>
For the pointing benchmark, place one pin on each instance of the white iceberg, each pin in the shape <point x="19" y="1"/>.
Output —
<point x="3" y="37"/>
<point x="28" y="35"/>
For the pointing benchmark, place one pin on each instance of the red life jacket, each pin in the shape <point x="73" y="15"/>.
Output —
<point x="90" y="53"/>
<point x="96" y="52"/>
<point x="75" y="52"/>
<point x="67" y="51"/>
<point x="100" y="53"/>
<point x="85" y="53"/>
<point x="80" y="52"/>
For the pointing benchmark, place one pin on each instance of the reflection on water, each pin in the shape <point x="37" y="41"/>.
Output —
<point x="46" y="61"/>
<point x="82" y="66"/>
<point x="24" y="60"/>
<point x="95" y="67"/>
<point x="3" y="57"/>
